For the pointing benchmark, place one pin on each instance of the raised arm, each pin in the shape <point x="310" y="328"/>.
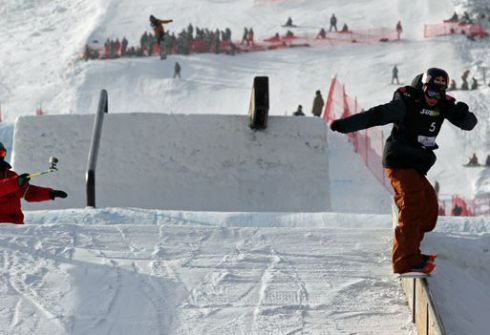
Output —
<point x="165" y="21"/>
<point x="379" y="115"/>
<point x="459" y="115"/>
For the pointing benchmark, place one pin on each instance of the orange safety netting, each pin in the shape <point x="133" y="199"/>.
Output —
<point x="451" y="28"/>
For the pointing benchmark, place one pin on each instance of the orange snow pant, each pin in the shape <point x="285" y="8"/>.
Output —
<point x="417" y="214"/>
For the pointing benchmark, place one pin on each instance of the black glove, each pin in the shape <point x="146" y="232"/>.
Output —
<point x="57" y="194"/>
<point x="459" y="110"/>
<point x="337" y="126"/>
<point x="23" y="179"/>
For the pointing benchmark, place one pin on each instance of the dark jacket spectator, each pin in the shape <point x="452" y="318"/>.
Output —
<point x="318" y="103"/>
<point x="299" y="111"/>
<point x="452" y="85"/>
<point x="487" y="161"/>
<point x="333" y="23"/>
<point x="453" y="18"/>
<point x="177" y="69"/>
<point x="394" y="75"/>
<point x="322" y="34"/>
<point x="473" y="160"/>
<point x="474" y="83"/>
<point x="399" y="29"/>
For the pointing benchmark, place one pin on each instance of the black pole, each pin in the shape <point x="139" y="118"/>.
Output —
<point x="94" y="148"/>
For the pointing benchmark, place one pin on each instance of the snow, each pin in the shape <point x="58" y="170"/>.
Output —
<point x="125" y="270"/>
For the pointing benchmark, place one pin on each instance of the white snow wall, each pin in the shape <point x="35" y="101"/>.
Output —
<point x="180" y="162"/>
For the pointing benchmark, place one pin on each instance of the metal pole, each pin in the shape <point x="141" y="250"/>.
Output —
<point x="94" y="148"/>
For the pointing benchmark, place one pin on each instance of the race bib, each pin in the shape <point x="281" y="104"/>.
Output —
<point x="427" y="141"/>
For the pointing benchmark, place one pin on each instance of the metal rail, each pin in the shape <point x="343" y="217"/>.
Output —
<point x="94" y="148"/>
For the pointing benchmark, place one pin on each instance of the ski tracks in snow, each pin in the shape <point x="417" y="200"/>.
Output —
<point x="191" y="279"/>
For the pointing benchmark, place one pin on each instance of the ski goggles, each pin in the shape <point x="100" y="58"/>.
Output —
<point x="435" y="91"/>
<point x="3" y="152"/>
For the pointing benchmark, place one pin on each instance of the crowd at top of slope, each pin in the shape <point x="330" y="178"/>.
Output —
<point x="205" y="40"/>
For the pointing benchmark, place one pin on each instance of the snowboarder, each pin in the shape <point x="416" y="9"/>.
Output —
<point x="394" y="75"/>
<point x="13" y="187"/>
<point x="299" y="111"/>
<point x="317" y="104"/>
<point x="157" y="26"/>
<point x="417" y="112"/>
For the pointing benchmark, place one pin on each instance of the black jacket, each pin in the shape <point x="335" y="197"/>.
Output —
<point x="415" y="126"/>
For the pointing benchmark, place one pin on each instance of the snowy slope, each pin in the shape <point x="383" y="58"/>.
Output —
<point x="74" y="271"/>
<point x="124" y="271"/>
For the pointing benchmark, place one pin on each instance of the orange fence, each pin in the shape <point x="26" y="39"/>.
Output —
<point x="451" y="28"/>
<point x="369" y="144"/>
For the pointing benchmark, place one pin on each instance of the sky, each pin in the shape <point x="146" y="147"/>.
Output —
<point x="125" y="269"/>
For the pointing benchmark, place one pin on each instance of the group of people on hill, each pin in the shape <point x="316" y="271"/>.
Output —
<point x="189" y="40"/>
<point x="317" y="107"/>
<point x="473" y="161"/>
<point x="452" y="84"/>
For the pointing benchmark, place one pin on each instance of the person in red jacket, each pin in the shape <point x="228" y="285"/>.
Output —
<point x="13" y="187"/>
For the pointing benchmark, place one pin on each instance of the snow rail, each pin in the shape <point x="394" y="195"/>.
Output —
<point x="424" y="311"/>
<point x="94" y="148"/>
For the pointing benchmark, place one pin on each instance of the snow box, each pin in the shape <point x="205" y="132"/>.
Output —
<point x="180" y="162"/>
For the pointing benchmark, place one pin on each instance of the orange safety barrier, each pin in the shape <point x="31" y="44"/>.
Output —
<point x="452" y="28"/>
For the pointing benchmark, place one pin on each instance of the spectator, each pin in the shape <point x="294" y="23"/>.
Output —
<point x="124" y="46"/>
<point x="394" y="75"/>
<point x="345" y="28"/>
<point x="13" y="187"/>
<point x="299" y="111"/>
<point x="289" y="22"/>
<point x="333" y="23"/>
<point x="245" y="36"/>
<point x="289" y="34"/>
<point x="453" y="18"/>
<point x="250" y="38"/>
<point x="452" y="85"/>
<point x="487" y="161"/>
<point x="457" y="210"/>
<point x="473" y="160"/>
<point x="399" y="29"/>
<point x="318" y="103"/>
<point x="322" y="34"/>
<point x="474" y="83"/>
<point x="464" y="78"/>
<point x="466" y="18"/>
<point x="177" y="69"/>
